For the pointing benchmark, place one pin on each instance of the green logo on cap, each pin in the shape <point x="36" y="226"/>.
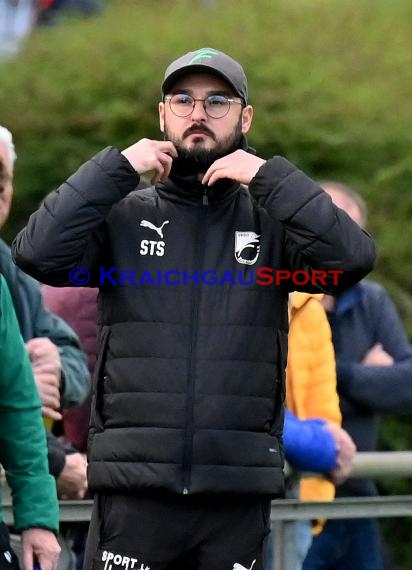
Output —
<point x="203" y="54"/>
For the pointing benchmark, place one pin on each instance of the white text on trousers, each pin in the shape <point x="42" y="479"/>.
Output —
<point x="119" y="560"/>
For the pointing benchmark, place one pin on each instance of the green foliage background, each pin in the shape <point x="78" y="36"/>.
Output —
<point x="331" y="83"/>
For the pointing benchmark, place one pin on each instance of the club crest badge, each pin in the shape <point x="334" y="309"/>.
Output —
<point x="247" y="247"/>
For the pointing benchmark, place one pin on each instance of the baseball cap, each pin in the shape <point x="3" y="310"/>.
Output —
<point x="211" y="61"/>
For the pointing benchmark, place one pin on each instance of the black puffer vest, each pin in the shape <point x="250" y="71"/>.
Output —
<point x="190" y="374"/>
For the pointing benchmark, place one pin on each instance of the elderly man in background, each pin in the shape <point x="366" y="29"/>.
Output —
<point x="59" y="365"/>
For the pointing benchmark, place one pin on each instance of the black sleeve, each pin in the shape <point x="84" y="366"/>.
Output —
<point x="68" y="230"/>
<point x="57" y="452"/>
<point x="318" y="235"/>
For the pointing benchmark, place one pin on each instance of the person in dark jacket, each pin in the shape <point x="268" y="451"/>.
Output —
<point x="185" y="445"/>
<point x="374" y="372"/>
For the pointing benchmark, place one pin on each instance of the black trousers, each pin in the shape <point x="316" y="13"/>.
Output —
<point x="177" y="533"/>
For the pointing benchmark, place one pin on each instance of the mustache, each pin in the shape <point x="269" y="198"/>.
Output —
<point x="199" y="128"/>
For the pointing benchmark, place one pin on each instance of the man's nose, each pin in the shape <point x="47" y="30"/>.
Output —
<point x="199" y="113"/>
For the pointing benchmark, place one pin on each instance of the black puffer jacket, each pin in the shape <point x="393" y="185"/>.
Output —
<point x="189" y="385"/>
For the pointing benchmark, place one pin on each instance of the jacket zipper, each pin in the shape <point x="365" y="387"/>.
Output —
<point x="188" y="445"/>
<point x="96" y="420"/>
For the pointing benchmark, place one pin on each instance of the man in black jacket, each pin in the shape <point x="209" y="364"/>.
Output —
<point x="194" y="274"/>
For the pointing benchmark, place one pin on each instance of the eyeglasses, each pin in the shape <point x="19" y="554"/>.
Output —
<point x="215" y="106"/>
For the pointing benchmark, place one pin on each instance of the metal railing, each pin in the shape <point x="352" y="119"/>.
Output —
<point x="366" y="464"/>
<point x="372" y="465"/>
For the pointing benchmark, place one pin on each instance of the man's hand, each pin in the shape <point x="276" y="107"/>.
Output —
<point x="377" y="356"/>
<point x="239" y="165"/>
<point x="153" y="158"/>
<point x="72" y="481"/>
<point x="346" y="452"/>
<point x="41" y="545"/>
<point x="47" y="367"/>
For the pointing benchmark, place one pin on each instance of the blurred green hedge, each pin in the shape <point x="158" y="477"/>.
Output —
<point x="330" y="82"/>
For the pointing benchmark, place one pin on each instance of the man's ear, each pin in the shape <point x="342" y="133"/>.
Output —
<point x="162" y="116"/>
<point x="247" y="116"/>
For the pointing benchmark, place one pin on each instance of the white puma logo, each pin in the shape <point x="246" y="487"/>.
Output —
<point x="238" y="566"/>
<point x="151" y="226"/>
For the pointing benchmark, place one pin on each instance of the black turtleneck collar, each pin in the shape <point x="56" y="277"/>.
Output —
<point x="186" y="186"/>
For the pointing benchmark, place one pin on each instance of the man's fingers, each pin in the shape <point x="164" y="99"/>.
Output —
<point x="208" y="174"/>
<point x="146" y="154"/>
<point x="161" y="169"/>
<point x="50" y="401"/>
<point x="212" y="175"/>
<point x="168" y="148"/>
<point x="166" y="162"/>
<point x="52" y="370"/>
<point x="40" y="345"/>
<point x="156" y="171"/>
<point x="51" y="413"/>
<point x="239" y="165"/>
<point x="49" y="394"/>
<point x="219" y="169"/>
<point x="27" y="557"/>
<point x="48" y="562"/>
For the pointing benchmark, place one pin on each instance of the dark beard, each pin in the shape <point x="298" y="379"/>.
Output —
<point x="194" y="161"/>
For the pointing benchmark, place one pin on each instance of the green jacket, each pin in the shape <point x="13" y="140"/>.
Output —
<point x="23" y="451"/>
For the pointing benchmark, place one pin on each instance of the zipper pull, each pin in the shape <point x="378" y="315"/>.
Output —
<point x="205" y="198"/>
